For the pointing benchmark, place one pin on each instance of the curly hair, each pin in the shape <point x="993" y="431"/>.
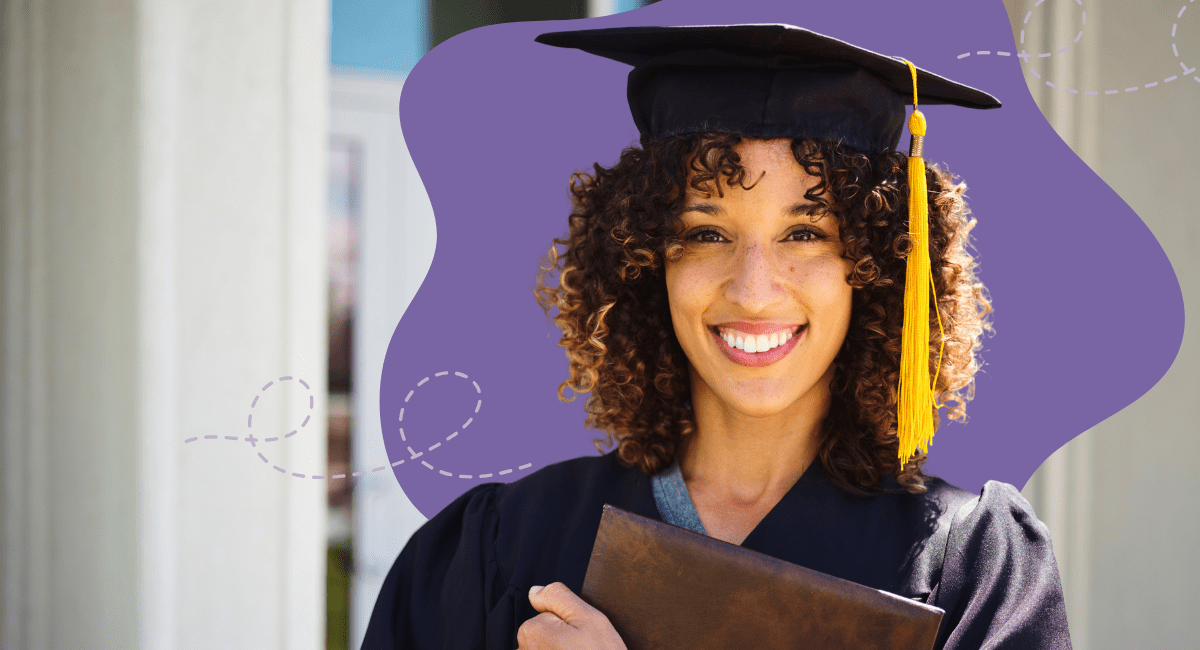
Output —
<point x="612" y="308"/>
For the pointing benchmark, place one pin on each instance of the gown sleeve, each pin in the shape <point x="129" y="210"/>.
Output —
<point x="444" y="590"/>
<point x="1000" y="584"/>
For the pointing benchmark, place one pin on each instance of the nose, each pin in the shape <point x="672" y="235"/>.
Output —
<point x="755" y="285"/>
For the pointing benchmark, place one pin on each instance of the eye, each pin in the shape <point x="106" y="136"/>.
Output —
<point x="706" y="236"/>
<point x="804" y="234"/>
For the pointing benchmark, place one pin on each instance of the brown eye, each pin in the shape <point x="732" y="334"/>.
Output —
<point x="804" y="235"/>
<point x="707" y="236"/>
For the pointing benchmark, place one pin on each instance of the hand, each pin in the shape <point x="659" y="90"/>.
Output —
<point x="566" y="622"/>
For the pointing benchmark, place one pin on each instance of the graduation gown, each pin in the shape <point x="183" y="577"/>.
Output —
<point x="463" y="579"/>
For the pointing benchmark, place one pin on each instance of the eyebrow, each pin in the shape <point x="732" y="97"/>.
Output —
<point x="807" y="209"/>
<point x="704" y="208"/>
<point x="797" y="210"/>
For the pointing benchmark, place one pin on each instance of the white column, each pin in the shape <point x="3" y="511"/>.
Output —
<point x="163" y="238"/>
<point x="1145" y="523"/>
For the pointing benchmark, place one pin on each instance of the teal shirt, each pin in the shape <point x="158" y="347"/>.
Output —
<point x="673" y="501"/>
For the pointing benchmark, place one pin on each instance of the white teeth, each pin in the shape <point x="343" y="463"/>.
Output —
<point x="755" y="344"/>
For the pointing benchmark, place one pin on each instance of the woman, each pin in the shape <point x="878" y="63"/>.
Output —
<point x="731" y="293"/>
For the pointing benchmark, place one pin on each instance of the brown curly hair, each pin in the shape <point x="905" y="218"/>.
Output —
<point x="612" y="307"/>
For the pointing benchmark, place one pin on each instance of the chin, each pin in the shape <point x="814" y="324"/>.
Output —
<point x="760" y="401"/>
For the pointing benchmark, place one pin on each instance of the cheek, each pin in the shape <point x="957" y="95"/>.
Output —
<point x="689" y="290"/>
<point x="822" y="283"/>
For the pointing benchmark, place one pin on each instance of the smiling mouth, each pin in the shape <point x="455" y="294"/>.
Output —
<point x="756" y="343"/>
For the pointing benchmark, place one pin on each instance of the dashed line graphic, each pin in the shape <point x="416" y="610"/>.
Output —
<point x="984" y="52"/>
<point x="1025" y="56"/>
<point x="250" y="418"/>
<point x="414" y="454"/>
<point x="1030" y="59"/>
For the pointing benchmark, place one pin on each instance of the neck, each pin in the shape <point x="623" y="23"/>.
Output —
<point x="749" y="459"/>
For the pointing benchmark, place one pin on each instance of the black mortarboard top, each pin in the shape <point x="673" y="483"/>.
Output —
<point x="765" y="81"/>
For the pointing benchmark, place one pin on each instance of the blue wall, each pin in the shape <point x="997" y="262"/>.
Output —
<point x="387" y="35"/>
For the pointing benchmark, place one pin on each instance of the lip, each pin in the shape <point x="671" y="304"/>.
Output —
<point x="757" y="360"/>
<point x="758" y="326"/>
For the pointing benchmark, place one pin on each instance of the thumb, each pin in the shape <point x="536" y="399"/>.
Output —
<point x="558" y="599"/>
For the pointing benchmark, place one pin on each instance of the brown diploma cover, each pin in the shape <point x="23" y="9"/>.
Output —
<point x="665" y="587"/>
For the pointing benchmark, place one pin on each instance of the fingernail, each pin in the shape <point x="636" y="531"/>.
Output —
<point x="534" y="590"/>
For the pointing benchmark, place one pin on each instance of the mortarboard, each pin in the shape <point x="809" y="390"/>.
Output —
<point x="776" y="81"/>
<point x="765" y="81"/>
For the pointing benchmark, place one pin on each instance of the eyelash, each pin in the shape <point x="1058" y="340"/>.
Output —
<point x="696" y="236"/>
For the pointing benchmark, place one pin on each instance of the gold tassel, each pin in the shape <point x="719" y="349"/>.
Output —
<point x="915" y="411"/>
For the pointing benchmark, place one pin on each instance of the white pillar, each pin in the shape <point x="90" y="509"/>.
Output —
<point x="163" y="259"/>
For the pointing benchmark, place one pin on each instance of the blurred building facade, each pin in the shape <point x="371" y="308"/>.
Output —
<point x="1097" y="523"/>
<point x="373" y="46"/>
<point x="1117" y="498"/>
<point x="201" y="198"/>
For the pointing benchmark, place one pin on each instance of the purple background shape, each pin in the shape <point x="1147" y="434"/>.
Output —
<point x="1089" y="314"/>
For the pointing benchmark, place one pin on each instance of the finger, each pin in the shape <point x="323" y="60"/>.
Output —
<point x="541" y="631"/>
<point x="558" y="599"/>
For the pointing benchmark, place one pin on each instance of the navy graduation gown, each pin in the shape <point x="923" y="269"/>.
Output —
<point x="462" y="581"/>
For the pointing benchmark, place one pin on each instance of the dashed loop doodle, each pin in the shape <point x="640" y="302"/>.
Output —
<point x="250" y="418"/>
<point x="1029" y="59"/>
<point x="403" y="438"/>
<point x="1025" y="56"/>
<point x="415" y="454"/>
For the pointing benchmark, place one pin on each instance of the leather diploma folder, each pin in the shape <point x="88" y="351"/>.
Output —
<point x="665" y="587"/>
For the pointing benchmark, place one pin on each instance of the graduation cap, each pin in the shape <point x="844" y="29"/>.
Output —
<point x="765" y="81"/>
<point x="777" y="81"/>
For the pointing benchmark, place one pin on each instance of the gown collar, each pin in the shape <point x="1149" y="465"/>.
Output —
<point x="796" y="515"/>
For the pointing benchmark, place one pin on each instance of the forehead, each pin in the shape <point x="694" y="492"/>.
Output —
<point x="771" y="172"/>
<point x="777" y="151"/>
